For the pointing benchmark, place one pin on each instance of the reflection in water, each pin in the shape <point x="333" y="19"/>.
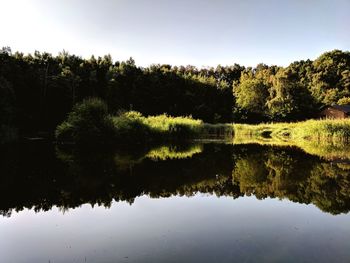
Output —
<point x="327" y="150"/>
<point x="41" y="176"/>
<point x="165" y="152"/>
<point x="289" y="173"/>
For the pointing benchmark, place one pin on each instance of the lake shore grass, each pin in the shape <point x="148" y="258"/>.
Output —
<point x="170" y="128"/>
<point x="326" y="138"/>
<point x="91" y="123"/>
<point x="311" y="130"/>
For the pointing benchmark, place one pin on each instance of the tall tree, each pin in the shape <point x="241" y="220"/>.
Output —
<point x="289" y="99"/>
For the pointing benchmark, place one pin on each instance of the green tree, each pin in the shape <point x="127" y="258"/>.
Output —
<point x="331" y="77"/>
<point x="289" y="99"/>
<point x="251" y="95"/>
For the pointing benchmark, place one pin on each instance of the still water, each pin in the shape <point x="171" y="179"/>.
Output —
<point x="186" y="203"/>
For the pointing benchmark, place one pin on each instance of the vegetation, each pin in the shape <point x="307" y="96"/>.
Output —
<point x="271" y="93"/>
<point x="89" y="122"/>
<point x="325" y="138"/>
<point x="39" y="90"/>
<point x="314" y="130"/>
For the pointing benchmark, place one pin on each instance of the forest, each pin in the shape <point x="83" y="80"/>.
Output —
<point x="38" y="91"/>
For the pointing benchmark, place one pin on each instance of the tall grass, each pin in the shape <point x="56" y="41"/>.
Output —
<point x="164" y="127"/>
<point x="135" y="126"/>
<point x="325" y="138"/>
<point x="312" y="130"/>
<point x="161" y="126"/>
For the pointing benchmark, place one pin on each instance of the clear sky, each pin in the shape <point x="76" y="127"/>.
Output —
<point x="197" y="32"/>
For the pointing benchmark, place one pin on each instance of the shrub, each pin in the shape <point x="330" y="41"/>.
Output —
<point x="88" y="122"/>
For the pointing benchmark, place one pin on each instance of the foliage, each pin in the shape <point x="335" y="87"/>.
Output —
<point x="251" y="96"/>
<point x="326" y="129"/>
<point x="88" y="122"/>
<point x="47" y="87"/>
<point x="325" y="138"/>
<point x="135" y="126"/>
<point x="289" y="99"/>
<point x="344" y="101"/>
<point x="331" y="77"/>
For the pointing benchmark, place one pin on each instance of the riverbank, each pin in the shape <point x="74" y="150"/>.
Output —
<point x="91" y="123"/>
<point x="327" y="138"/>
<point x="311" y="130"/>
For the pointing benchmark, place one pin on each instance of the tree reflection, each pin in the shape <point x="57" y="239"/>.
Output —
<point x="39" y="176"/>
<point x="288" y="173"/>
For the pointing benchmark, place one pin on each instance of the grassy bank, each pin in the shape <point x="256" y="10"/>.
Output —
<point x="325" y="138"/>
<point x="335" y="131"/>
<point x="91" y="123"/>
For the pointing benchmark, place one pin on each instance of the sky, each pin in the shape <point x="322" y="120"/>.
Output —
<point x="179" y="32"/>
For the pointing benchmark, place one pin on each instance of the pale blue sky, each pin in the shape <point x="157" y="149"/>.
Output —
<point x="197" y="32"/>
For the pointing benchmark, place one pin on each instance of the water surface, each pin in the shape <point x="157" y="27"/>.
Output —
<point x="185" y="203"/>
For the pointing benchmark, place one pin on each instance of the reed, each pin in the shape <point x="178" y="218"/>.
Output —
<point x="312" y="130"/>
<point x="326" y="138"/>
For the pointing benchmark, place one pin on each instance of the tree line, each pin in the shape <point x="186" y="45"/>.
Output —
<point x="37" y="91"/>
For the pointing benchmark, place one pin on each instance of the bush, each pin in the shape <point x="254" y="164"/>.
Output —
<point x="88" y="122"/>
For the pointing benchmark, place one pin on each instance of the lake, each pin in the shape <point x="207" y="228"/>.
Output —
<point x="199" y="202"/>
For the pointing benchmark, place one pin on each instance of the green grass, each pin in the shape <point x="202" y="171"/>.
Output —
<point x="313" y="130"/>
<point x="326" y="138"/>
<point x="176" y="127"/>
<point x="160" y="126"/>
